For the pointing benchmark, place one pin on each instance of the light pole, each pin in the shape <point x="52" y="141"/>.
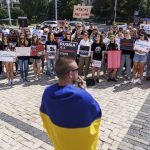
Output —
<point x="56" y="10"/>
<point x="115" y="9"/>
<point x="8" y="3"/>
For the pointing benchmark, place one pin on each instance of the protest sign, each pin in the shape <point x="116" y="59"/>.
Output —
<point x="58" y="37"/>
<point x="23" y="22"/>
<point x="113" y="59"/>
<point x="37" y="32"/>
<point x="146" y="28"/>
<point x="23" y="51"/>
<point x="67" y="48"/>
<point x="96" y="63"/>
<point x="84" y="50"/>
<point x="12" y="38"/>
<point x="51" y="51"/>
<point x="7" y="56"/>
<point x="61" y="23"/>
<point x="126" y="44"/>
<point x="37" y="50"/>
<point x="123" y="26"/>
<point x="43" y="39"/>
<point x="81" y="11"/>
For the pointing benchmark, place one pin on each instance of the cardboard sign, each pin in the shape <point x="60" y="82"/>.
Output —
<point x="43" y="39"/>
<point x="84" y="50"/>
<point x="82" y="11"/>
<point x="23" y="22"/>
<point x="23" y="51"/>
<point x="37" y="50"/>
<point x="126" y="44"/>
<point x="51" y="51"/>
<point x="61" y="23"/>
<point x="96" y="63"/>
<point x="67" y="48"/>
<point x="7" y="56"/>
<point x="113" y="59"/>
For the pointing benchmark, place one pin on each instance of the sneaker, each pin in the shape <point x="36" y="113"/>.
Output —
<point x="9" y="82"/>
<point x="109" y="79"/>
<point x="114" y="80"/>
<point x="133" y="81"/>
<point x="140" y="81"/>
<point x="12" y="82"/>
<point x="97" y="80"/>
<point x="21" y="80"/>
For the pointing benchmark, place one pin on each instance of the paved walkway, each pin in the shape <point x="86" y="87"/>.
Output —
<point x="125" y="122"/>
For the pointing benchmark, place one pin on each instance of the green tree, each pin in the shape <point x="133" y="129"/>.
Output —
<point x="16" y="11"/>
<point x="34" y="7"/>
<point x="3" y="13"/>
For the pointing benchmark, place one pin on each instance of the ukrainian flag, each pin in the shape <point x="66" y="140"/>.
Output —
<point x="71" y="117"/>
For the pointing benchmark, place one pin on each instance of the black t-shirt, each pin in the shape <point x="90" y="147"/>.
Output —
<point x="97" y="51"/>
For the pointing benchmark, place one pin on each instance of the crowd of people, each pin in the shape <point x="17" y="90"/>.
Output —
<point x="133" y="43"/>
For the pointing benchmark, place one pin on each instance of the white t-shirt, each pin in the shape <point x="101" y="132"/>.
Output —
<point x="85" y="43"/>
<point x="142" y="45"/>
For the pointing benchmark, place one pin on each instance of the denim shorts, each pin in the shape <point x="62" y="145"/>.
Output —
<point x="140" y="58"/>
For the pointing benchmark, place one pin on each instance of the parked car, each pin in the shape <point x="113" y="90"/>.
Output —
<point x="49" y="22"/>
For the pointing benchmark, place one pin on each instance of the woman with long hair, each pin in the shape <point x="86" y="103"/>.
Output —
<point x="141" y="48"/>
<point x="50" y="61"/>
<point x="36" y="60"/>
<point x="23" y="60"/>
<point x="97" y="56"/>
<point x="8" y="65"/>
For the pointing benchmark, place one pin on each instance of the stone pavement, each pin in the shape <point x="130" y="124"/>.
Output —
<point x="125" y="122"/>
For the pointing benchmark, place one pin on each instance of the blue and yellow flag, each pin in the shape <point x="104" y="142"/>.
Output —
<point x="71" y="117"/>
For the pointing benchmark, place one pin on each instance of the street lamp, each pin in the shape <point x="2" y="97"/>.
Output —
<point x="115" y="9"/>
<point x="8" y="3"/>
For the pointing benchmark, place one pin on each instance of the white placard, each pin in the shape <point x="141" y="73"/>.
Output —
<point x="96" y="63"/>
<point x="23" y="51"/>
<point x="7" y="56"/>
<point x="51" y="51"/>
<point x="123" y="26"/>
<point x="43" y="39"/>
<point x="39" y="33"/>
<point x="146" y="27"/>
<point x="81" y="11"/>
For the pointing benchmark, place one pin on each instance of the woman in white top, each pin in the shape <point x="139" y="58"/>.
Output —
<point x="84" y="50"/>
<point x="141" y="48"/>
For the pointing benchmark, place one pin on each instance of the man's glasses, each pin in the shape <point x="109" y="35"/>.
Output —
<point x="77" y="69"/>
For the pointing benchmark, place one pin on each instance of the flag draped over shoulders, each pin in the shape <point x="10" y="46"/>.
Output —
<point x="71" y="117"/>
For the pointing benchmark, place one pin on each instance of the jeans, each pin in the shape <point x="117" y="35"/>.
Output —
<point x="1" y="67"/>
<point x="148" y="66"/>
<point x="50" y="67"/>
<point x="125" y="59"/>
<point x="23" y="68"/>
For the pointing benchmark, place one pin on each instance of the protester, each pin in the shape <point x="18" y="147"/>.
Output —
<point x="36" y="60"/>
<point x="148" y="67"/>
<point x="69" y="113"/>
<point x="23" y="60"/>
<point x="1" y="64"/>
<point x="126" y="45"/>
<point x="141" y="48"/>
<point x="50" y="61"/>
<point x="8" y="65"/>
<point x="112" y="71"/>
<point x="97" y="57"/>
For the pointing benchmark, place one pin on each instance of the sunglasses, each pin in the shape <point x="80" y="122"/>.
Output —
<point x="68" y="34"/>
<point x="77" y="69"/>
<point x="85" y="35"/>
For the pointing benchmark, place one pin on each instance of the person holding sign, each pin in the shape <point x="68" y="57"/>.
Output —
<point x="97" y="56"/>
<point x="6" y="46"/>
<point x="51" y="51"/>
<point x="141" y="48"/>
<point x="112" y="46"/>
<point x="23" y="60"/>
<point x="36" y="60"/>
<point x="84" y="50"/>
